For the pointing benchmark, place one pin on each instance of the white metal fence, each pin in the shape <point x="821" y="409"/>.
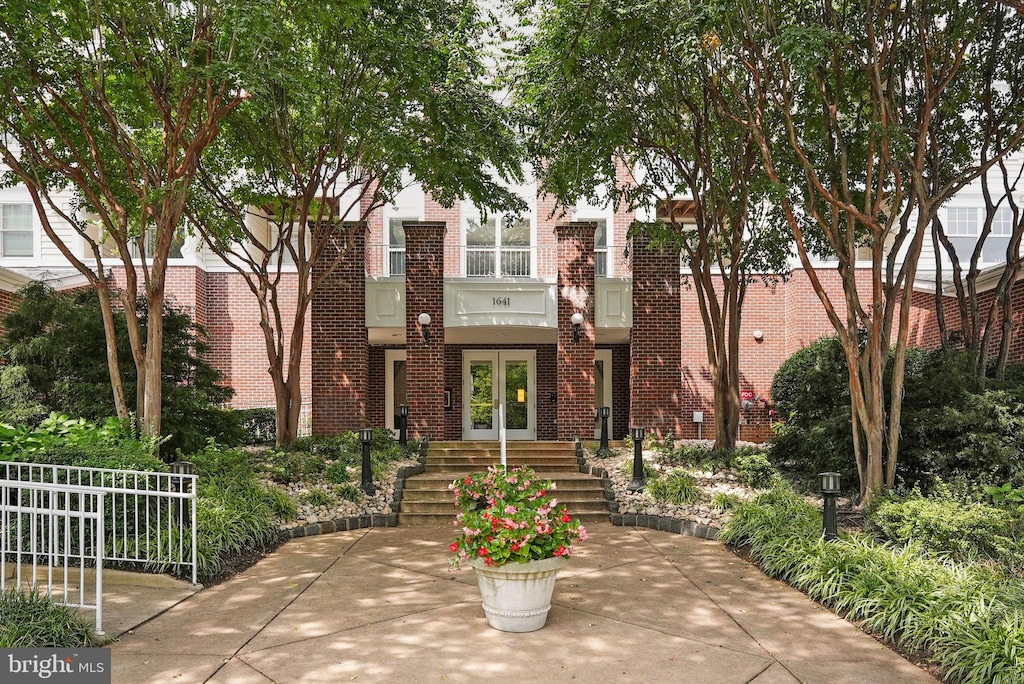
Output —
<point x="49" y="536"/>
<point x="142" y="518"/>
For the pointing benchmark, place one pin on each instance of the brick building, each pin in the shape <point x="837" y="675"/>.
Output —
<point x="501" y="295"/>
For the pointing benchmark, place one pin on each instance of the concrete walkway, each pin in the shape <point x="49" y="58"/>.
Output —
<point x="380" y="605"/>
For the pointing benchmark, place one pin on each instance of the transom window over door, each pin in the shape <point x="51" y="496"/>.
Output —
<point x="499" y="246"/>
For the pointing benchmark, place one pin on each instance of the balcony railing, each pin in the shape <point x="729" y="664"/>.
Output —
<point x="468" y="261"/>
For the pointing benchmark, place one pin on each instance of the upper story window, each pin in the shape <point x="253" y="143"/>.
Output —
<point x="499" y="246"/>
<point x="17" y="239"/>
<point x="1002" y="222"/>
<point x="961" y="221"/>
<point x="395" y="257"/>
<point x="150" y="237"/>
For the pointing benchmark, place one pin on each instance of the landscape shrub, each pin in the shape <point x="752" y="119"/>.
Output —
<point x="951" y="426"/>
<point x="966" y="617"/>
<point x="650" y="472"/>
<point x="753" y="467"/>
<point x="58" y="339"/>
<point x="31" y="620"/>
<point x="678" y="487"/>
<point x="259" y="425"/>
<point x="962" y="530"/>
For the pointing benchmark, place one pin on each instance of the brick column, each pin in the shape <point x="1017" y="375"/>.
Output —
<point x="575" y="359"/>
<point x="339" y="344"/>
<point x="655" y="390"/>
<point x="424" y="293"/>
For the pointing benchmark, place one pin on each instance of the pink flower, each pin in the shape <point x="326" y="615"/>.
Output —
<point x="510" y="510"/>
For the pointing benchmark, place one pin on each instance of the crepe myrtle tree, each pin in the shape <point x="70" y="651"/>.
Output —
<point x="362" y="98"/>
<point x="842" y="100"/>
<point x="112" y="104"/>
<point x="621" y="85"/>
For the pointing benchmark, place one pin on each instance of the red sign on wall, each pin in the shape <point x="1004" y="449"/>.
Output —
<point x="747" y="395"/>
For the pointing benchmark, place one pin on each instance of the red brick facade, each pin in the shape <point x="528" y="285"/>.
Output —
<point x="424" y="293"/>
<point x="339" y="341"/>
<point x="575" y="393"/>
<point x="659" y="376"/>
<point x="655" y="391"/>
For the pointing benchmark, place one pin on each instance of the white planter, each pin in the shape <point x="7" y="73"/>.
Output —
<point x="517" y="596"/>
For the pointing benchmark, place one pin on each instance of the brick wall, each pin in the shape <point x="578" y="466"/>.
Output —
<point x="339" y="340"/>
<point x="656" y="400"/>
<point x="620" y="389"/>
<point x="575" y="359"/>
<point x="424" y="293"/>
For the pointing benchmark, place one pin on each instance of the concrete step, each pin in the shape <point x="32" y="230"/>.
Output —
<point x="472" y="467"/>
<point x="563" y="481"/>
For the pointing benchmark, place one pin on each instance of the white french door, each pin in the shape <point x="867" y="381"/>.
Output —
<point x="496" y="383"/>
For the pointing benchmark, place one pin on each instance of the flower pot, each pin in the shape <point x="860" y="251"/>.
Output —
<point x="517" y="596"/>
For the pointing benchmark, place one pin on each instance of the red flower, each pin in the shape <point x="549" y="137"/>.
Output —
<point x="453" y="547"/>
<point x="561" y="551"/>
<point x="565" y="516"/>
<point x="481" y="552"/>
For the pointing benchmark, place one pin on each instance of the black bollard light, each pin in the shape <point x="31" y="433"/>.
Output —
<point x="638" y="460"/>
<point x="828" y="483"/>
<point x="403" y="429"/>
<point x="604" y="412"/>
<point x="366" y="436"/>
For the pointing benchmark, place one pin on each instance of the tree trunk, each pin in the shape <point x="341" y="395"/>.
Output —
<point x="154" y="364"/>
<point x="113" y="365"/>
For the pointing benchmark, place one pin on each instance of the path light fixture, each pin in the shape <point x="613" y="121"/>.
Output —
<point x="366" y="437"/>
<point x="828" y="483"/>
<point x="638" y="460"/>
<point x="424" y="319"/>
<point x="403" y="425"/>
<point x="577" y="321"/>
<point x="603" y="414"/>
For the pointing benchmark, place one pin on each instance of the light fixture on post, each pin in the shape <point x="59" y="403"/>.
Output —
<point x="403" y="425"/>
<point x="828" y="483"/>
<point x="424" y="319"/>
<point x="603" y="413"/>
<point x="577" y="321"/>
<point x="366" y="437"/>
<point x="638" y="460"/>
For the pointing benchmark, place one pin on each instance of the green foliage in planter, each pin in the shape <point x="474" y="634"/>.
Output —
<point x="259" y="425"/>
<point x="285" y="467"/>
<point x="650" y="472"/>
<point x="962" y="530"/>
<point x="965" y="616"/>
<point x="678" y="487"/>
<point x="31" y="620"/>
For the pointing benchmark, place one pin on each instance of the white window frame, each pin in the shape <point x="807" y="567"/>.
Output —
<point x="962" y="222"/>
<point x="469" y="212"/>
<point x="584" y="212"/>
<point x="31" y="231"/>
<point x="1002" y="222"/>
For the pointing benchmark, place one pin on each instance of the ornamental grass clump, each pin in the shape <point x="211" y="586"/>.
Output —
<point x="511" y="517"/>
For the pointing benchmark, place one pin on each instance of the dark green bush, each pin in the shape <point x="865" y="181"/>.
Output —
<point x="753" y="467"/>
<point x="962" y="530"/>
<point x="951" y="426"/>
<point x="31" y="620"/>
<point x="58" y="339"/>
<point x="124" y="456"/>
<point x="337" y="473"/>
<point x="650" y="472"/>
<point x="259" y="425"/>
<point x="678" y="487"/>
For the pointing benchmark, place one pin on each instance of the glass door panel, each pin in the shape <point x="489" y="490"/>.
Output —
<point x="481" y="398"/>
<point x="517" y="413"/>
<point x="499" y="381"/>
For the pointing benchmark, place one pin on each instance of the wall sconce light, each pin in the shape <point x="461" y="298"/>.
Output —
<point x="577" y="321"/>
<point x="424" y="320"/>
<point x="759" y="335"/>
